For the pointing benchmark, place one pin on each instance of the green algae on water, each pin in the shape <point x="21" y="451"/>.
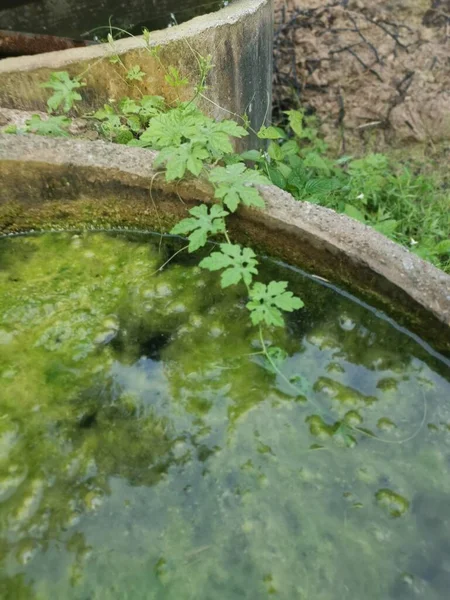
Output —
<point x="147" y="450"/>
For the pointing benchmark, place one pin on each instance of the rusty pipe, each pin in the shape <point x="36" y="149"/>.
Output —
<point x="15" y="43"/>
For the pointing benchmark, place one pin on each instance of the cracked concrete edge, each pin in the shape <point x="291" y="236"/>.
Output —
<point x="331" y="245"/>
<point x="238" y="38"/>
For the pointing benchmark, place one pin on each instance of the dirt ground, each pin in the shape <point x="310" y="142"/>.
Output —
<point x="376" y="73"/>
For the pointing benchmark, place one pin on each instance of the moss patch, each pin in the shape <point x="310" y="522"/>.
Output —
<point x="147" y="449"/>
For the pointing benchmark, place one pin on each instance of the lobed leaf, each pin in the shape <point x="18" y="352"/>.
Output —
<point x="174" y="78"/>
<point x="179" y="159"/>
<point x="271" y="133"/>
<point x="233" y="185"/>
<point x="135" y="73"/>
<point x="64" y="91"/>
<point x="239" y="264"/>
<point x="53" y="126"/>
<point x="267" y="302"/>
<point x="203" y="222"/>
<point x="296" y="121"/>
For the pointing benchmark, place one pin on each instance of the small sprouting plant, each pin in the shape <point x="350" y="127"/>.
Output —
<point x="174" y="78"/>
<point x="187" y="139"/>
<point x="135" y="73"/>
<point x="237" y="264"/>
<point x="51" y="126"/>
<point x="203" y="223"/>
<point x="234" y="186"/>
<point x="268" y="302"/>
<point x="64" y="91"/>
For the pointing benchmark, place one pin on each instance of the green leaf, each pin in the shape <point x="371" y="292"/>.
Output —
<point x="386" y="227"/>
<point x="104" y="113"/>
<point x="423" y="251"/>
<point x="136" y="143"/>
<point x="285" y="170"/>
<point x="53" y="126"/>
<point x="343" y="160"/>
<point x="277" y="178"/>
<point x="129" y="107"/>
<point x="187" y="124"/>
<point x="275" y="152"/>
<point x="217" y="141"/>
<point x="296" y="121"/>
<point x="315" y="161"/>
<point x="174" y="78"/>
<point x="271" y="133"/>
<point x="290" y="148"/>
<point x="195" y="159"/>
<point x="267" y="302"/>
<point x="151" y="106"/>
<point x="111" y="123"/>
<point x="134" y="123"/>
<point x="168" y="129"/>
<point x="233" y="185"/>
<point x="239" y="264"/>
<point x="232" y="128"/>
<point x="13" y="129"/>
<point x="322" y="187"/>
<point x="354" y="213"/>
<point x="64" y="91"/>
<point x="297" y="181"/>
<point x="215" y="136"/>
<point x="251" y="155"/>
<point x="135" y="73"/>
<point x="179" y="159"/>
<point x="201" y="224"/>
<point x="442" y="248"/>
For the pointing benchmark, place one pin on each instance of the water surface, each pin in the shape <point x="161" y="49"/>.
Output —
<point x="148" y="452"/>
<point x="93" y="18"/>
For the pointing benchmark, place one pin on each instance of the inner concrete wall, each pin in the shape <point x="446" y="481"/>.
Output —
<point x="63" y="183"/>
<point x="75" y="18"/>
<point x="238" y="38"/>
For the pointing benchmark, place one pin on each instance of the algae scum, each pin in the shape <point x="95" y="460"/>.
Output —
<point x="147" y="451"/>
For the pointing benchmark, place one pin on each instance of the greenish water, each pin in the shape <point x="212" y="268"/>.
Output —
<point x="147" y="453"/>
<point x="94" y="19"/>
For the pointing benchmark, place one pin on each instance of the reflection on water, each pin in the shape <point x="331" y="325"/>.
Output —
<point x="147" y="450"/>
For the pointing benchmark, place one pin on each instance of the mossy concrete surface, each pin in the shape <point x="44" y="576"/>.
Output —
<point x="238" y="38"/>
<point x="48" y="183"/>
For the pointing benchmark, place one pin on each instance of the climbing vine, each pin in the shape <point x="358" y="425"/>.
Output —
<point x="189" y="143"/>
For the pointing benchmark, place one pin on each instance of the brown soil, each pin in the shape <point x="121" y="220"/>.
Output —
<point x="376" y="73"/>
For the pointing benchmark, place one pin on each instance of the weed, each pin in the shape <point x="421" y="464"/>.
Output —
<point x="64" y="91"/>
<point x="370" y="189"/>
<point x="52" y="126"/>
<point x="406" y="207"/>
<point x="190" y="142"/>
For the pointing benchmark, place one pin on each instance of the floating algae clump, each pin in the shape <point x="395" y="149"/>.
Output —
<point x="149" y="451"/>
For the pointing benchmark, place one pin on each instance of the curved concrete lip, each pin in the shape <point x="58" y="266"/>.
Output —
<point x="238" y="38"/>
<point x="56" y="183"/>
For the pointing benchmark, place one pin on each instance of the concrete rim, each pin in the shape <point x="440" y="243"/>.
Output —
<point x="42" y="174"/>
<point x="228" y="15"/>
<point x="238" y="39"/>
